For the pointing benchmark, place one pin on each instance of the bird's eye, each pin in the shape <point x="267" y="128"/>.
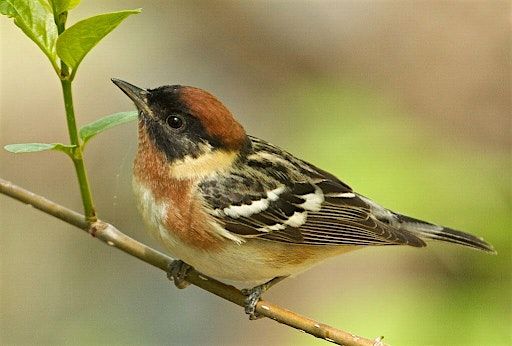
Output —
<point x="175" y="121"/>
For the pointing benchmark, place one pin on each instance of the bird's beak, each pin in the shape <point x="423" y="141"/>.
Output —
<point x="136" y="94"/>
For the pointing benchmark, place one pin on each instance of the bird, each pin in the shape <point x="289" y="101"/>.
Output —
<point x="237" y="208"/>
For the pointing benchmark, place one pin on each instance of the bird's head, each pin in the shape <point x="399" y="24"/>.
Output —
<point x="196" y="133"/>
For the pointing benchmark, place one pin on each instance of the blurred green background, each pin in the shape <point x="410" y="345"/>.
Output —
<point x="408" y="102"/>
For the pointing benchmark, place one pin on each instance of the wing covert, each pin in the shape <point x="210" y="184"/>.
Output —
<point x="280" y="198"/>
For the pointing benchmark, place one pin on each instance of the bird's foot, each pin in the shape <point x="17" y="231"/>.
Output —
<point x="253" y="297"/>
<point x="177" y="273"/>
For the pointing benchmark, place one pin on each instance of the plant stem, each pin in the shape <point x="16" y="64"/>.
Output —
<point x="77" y="156"/>
<point x="77" y="151"/>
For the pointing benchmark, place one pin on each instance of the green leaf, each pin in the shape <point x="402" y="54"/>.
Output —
<point x="100" y="125"/>
<point x="60" y="6"/>
<point x="35" y="147"/>
<point x="35" y="19"/>
<point x="76" y="41"/>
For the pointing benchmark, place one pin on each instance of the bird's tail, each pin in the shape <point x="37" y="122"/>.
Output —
<point x="427" y="230"/>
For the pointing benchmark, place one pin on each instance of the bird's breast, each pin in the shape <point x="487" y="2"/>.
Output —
<point x="169" y="206"/>
<point x="175" y="218"/>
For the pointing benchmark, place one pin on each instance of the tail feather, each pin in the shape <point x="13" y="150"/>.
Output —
<point x="430" y="231"/>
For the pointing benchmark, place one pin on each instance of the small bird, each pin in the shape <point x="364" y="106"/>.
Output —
<point x="238" y="208"/>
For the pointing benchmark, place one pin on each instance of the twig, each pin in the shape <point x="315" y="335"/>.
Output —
<point x="113" y="237"/>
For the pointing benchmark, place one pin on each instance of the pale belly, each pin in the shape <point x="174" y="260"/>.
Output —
<point x="250" y="262"/>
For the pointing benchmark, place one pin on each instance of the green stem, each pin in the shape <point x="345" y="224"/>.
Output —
<point x="77" y="151"/>
<point x="77" y="156"/>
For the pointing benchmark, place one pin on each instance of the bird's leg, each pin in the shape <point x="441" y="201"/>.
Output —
<point x="254" y="295"/>
<point x="177" y="272"/>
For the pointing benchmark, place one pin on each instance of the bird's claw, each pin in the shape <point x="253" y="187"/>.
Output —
<point x="253" y="297"/>
<point x="177" y="272"/>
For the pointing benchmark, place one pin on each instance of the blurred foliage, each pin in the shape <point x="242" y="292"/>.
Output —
<point x="394" y="159"/>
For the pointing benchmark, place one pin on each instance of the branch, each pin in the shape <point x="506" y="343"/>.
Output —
<point x="113" y="237"/>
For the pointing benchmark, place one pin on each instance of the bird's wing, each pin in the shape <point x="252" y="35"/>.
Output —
<point x="281" y="198"/>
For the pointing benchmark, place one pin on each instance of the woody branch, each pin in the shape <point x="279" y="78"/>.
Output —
<point x="113" y="237"/>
